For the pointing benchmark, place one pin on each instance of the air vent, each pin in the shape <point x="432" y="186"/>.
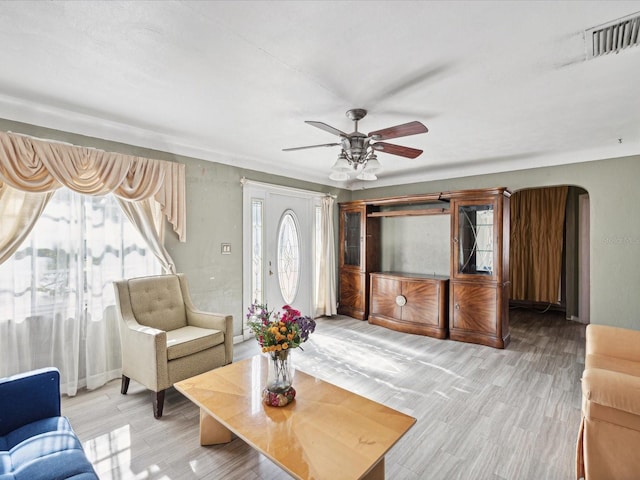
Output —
<point x="613" y="36"/>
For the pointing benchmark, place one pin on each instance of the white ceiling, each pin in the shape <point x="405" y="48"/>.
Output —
<point x="500" y="85"/>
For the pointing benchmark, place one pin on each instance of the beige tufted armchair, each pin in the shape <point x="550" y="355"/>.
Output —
<point x="164" y="338"/>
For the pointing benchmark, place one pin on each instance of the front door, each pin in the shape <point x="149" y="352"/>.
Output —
<point x="288" y="252"/>
<point x="279" y="247"/>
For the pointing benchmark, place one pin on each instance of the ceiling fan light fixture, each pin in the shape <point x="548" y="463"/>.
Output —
<point x="342" y="164"/>
<point x="372" y="165"/>
<point x="339" y="176"/>
<point x="366" y="176"/>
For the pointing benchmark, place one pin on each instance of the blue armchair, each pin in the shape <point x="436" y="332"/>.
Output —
<point x="36" y="442"/>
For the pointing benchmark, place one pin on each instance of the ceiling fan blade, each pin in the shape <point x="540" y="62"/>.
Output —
<point x="396" y="149"/>
<point x="327" y="128"/>
<point x="310" y="146"/>
<point x="404" y="130"/>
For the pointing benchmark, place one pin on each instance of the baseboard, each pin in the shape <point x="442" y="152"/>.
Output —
<point x="247" y="335"/>
<point x="573" y="318"/>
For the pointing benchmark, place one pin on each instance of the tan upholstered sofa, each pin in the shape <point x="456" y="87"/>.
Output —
<point x="165" y="339"/>
<point x="609" y="438"/>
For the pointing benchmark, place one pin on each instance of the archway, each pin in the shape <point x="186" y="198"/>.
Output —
<point x="549" y="268"/>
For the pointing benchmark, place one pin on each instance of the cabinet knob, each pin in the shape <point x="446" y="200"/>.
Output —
<point x="457" y="306"/>
<point x="401" y="301"/>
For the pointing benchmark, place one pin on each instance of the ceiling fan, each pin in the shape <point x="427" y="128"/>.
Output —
<point x="358" y="149"/>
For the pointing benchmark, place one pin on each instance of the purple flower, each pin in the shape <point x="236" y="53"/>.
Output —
<point x="307" y="326"/>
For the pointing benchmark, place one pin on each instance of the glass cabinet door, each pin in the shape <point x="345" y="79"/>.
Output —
<point x="475" y="239"/>
<point x="352" y="223"/>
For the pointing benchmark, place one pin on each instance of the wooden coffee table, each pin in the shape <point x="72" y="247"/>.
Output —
<point x="326" y="432"/>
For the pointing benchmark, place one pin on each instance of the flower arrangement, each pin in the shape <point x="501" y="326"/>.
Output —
<point x="277" y="336"/>
<point x="288" y="329"/>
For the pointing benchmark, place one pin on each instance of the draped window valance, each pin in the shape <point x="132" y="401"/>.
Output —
<point x="39" y="166"/>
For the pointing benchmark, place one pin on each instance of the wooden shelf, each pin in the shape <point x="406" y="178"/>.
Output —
<point x="409" y="205"/>
<point x="408" y="199"/>
<point x="406" y="213"/>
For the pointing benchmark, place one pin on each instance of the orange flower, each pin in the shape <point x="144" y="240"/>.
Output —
<point x="285" y="346"/>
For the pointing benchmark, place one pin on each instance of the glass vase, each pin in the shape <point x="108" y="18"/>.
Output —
<point x="279" y="389"/>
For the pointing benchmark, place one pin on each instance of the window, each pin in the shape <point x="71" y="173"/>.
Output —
<point x="57" y="303"/>
<point x="288" y="256"/>
<point x="256" y="250"/>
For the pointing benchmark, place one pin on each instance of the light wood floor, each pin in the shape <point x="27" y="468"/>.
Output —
<point x="482" y="413"/>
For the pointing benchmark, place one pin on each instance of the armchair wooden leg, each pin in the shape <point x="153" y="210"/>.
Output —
<point x="158" y="403"/>
<point x="125" y="385"/>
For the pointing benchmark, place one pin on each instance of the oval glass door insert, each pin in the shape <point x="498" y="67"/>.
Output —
<point x="288" y="256"/>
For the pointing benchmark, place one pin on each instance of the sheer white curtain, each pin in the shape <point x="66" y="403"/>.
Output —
<point x="325" y="297"/>
<point x="56" y="294"/>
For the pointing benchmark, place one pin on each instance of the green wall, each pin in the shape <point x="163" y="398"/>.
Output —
<point x="615" y="224"/>
<point x="214" y="216"/>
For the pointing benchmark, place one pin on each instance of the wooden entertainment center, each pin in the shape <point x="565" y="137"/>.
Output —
<point x="469" y="305"/>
